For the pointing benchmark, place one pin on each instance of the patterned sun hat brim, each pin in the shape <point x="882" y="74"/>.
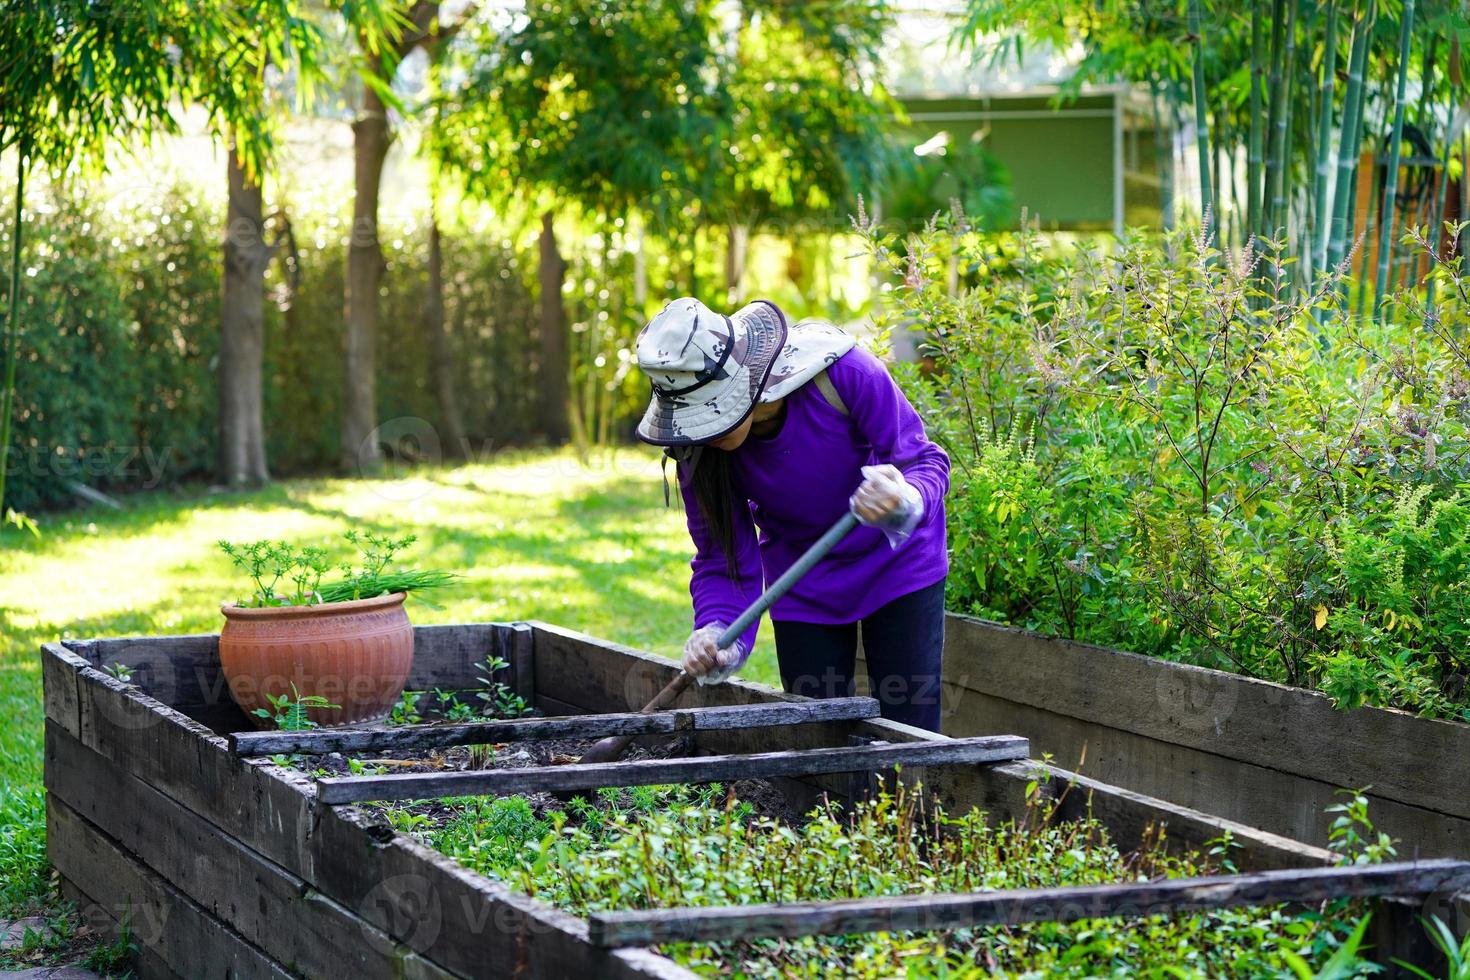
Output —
<point x="712" y="411"/>
<point x="811" y="347"/>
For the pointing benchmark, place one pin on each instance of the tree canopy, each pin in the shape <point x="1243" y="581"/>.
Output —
<point x="744" y="110"/>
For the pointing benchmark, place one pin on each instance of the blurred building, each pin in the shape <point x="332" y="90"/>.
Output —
<point x="1085" y="160"/>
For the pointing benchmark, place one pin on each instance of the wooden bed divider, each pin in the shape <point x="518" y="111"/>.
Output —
<point x="721" y="718"/>
<point x="901" y="913"/>
<point x="649" y="772"/>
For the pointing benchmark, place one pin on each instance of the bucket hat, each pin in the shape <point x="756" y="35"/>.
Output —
<point x="811" y="347"/>
<point x="707" y="370"/>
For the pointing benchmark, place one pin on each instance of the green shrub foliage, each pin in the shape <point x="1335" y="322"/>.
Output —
<point x="1172" y="451"/>
<point x="120" y="335"/>
<point x="681" y="847"/>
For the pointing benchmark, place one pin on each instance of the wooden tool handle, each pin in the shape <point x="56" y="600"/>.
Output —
<point x="613" y="747"/>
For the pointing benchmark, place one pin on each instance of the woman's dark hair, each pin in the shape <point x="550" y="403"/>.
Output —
<point x="714" y="495"/>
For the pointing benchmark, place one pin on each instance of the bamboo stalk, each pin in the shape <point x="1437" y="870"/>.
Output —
<point x="1202" y="125"/>
<point x="1276" y="91"/>
<point x="1254" y="160"/>
<point x="1324" y="137"/>
<point x="1279" y="210"/>
<point x="1391" y="184"/>
<point x="1350" y="142"/>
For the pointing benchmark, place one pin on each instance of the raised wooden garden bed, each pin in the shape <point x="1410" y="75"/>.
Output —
<point x="1264" y="754"/>
<point x="222" y="863"/>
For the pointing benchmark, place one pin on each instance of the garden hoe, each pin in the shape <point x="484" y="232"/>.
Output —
<point x="612" y="748"/>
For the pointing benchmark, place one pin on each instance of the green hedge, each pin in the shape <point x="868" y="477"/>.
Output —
<point x="1157" y="452"/>
<point x="120" y="328"/>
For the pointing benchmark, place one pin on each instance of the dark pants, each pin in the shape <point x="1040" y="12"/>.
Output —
<point x="904" y="646"/>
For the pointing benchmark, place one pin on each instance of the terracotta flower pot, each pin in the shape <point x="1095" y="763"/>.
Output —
<point x="355" y="654"/>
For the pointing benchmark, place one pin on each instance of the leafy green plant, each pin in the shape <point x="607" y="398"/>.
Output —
<point x="1456" y="952"/>
<point x="669" y="847"/>
<point x="1176" y="451"/>
<point x="1352" y="835"/>
<point x="114" y="957"/>
<point x="272" y="564"/>
<point x="1343" y="964"/>
<point x="121" y="672"/>
<point x="452" y="708"/>
<point x="289" y="712"/>
<point x="406" y="711"/>
<point x="499" y="700"/>
<point x="266" y="563"/>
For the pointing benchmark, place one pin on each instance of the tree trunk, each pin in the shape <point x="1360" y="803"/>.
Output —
<point x="442" y="366"/>
<point x="12" y="318"/>
<point x="242" y="457"/>
<point x="555" y="365"/>
<point x="360" y="450"/>
<point x="736" y="249"/>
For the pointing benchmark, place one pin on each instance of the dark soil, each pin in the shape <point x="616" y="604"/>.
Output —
<point x="760" y="794"/>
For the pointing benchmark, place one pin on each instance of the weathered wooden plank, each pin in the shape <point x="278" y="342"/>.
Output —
<point x="180" y="932"/>
<point x="775" y="713"/>
<point x="921" y="913"/>
<point x="350" y="740"/>
<point x="1130" y="817"/>
<point x="447" y="656"/>
<point x="520" y="640"/>
<point x="59" y="668"/>
<point x="264" y="807"/>
<point x="185" y="671"/>
<point x="176" y="670"/>
<point x="1419" y="761"/>
<point x="274" y="910"/>
<point x="1279" y="802"/>
<point x="461" y="920"/>
<point x="644" y="772"/>
<point x="354" y="740"/>
<point x="597" y="675"/>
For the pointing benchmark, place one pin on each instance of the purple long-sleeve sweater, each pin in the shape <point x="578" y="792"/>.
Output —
<point x="798" y="482"/>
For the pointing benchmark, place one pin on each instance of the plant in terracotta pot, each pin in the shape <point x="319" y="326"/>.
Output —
<point x="345" y="645"/>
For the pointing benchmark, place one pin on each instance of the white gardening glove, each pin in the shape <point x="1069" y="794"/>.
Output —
<point x="887" y="501"/>
<point x="707" y="664"/>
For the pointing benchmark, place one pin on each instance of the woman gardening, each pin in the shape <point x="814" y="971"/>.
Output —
<point x="776" y="431"/>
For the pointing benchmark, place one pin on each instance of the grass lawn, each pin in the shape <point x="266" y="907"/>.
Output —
<point x="536" y="536"/>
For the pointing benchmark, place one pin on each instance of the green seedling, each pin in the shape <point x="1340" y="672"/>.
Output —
<point x="499" y="700"/>
<point x="406" y="711"/>
<point x="288" y="713"/>
<point x="121" y="672"/>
